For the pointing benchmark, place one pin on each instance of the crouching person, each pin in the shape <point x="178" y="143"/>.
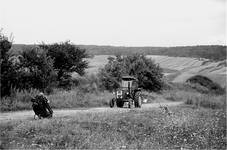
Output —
<point x="41" y="107"/>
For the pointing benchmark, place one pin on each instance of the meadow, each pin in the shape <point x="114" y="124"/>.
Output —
<point x="184" y="127"/>
<point x="199" y="123"/>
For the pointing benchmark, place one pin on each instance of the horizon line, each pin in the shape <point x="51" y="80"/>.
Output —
<point x="124" y="45"/>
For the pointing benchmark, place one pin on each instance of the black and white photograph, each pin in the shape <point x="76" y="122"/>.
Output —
<point x="113" y="74"/>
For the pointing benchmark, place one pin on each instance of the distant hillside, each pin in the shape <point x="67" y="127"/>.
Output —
<point x="176" y="69"/>
<point x="213" y="52"/>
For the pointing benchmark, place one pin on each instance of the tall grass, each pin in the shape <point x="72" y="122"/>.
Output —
<point x="77" y="97"/>
<point x="19" y="100"/>
<point x="196" y="99"/>
<point x="207" y="101"/>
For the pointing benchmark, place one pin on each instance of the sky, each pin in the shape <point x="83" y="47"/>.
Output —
<point x="116" y="22"/>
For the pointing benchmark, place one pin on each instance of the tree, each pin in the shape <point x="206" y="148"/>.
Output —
<point x="7" y="74"/>
<point x="67" y="58"/>
<point x="30" y="69"/>
<point x="36" y="69"/>
<point x="148" y="73"/>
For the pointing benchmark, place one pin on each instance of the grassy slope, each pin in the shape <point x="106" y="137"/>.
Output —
<point x="185" y="127"/>
<point x="213" y="52"/>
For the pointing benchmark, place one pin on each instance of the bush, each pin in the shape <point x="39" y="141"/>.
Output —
<point x="148" y="73"/>
<point x="205" y="85"/>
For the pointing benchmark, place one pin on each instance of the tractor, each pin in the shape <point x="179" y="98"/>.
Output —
<point x="128" y="93"/>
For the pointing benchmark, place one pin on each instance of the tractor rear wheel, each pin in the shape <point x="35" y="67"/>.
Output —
<point x="138" y="100"/>
<point x="111" y="103"/>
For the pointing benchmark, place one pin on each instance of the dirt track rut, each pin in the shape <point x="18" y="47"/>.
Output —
<point x="20" y="115"/>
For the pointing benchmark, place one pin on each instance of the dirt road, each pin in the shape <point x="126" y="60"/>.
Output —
<point x="29" y="114"/>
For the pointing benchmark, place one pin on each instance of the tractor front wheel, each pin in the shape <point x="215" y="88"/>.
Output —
<point x="119" y="103"/>
<point x="138" y="100"/>
<point x="130" y="104"/>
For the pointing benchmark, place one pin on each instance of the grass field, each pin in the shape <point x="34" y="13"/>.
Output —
<point x="184" y="127"/>
<point x="199" y="123"/>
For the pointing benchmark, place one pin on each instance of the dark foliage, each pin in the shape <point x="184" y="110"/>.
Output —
<point x="67" y="58"/>
<point x="31" y="68"/>
<point x="7" y="74"/>
<point x="207" y="83"/>
<point x="149" y="74"/>
<point x="36" y="70"/>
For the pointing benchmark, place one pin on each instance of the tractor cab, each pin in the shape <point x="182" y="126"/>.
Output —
<point x="128" y="84"/>
<point x="128" y="92"/>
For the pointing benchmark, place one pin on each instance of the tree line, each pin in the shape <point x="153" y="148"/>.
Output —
<point x="48" y="66"/>
<point x="41" y="66"/>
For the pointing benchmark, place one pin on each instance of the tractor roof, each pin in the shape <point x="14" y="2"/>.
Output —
<point x="128" y="78"/>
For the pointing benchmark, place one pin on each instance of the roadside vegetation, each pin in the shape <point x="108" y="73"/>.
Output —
<point x="74" y="98"/>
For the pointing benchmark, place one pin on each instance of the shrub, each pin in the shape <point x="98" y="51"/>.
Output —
<point x="202" y="82"/>
<point x="148" y="73"/>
